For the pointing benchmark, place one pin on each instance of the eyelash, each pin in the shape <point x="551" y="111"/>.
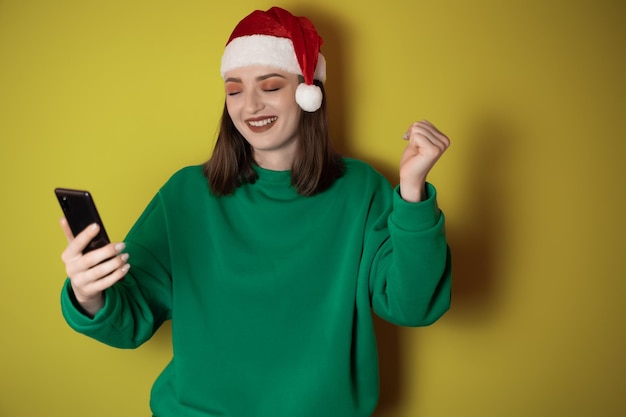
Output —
<point x="269" y="90"/>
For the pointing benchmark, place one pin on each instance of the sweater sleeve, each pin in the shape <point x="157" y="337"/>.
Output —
<point x="410" y="278"/>
<point x="136" y="306"/>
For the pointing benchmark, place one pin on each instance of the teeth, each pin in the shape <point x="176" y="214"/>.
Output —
<point x="260" y="123"/>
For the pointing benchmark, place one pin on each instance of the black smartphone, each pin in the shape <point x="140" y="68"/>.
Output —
<point x="80" y="211"/>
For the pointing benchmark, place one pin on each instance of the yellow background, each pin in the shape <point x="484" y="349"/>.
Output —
<point x="114" y="96"/>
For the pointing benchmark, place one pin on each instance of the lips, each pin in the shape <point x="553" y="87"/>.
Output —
<point x="261" y="124"/>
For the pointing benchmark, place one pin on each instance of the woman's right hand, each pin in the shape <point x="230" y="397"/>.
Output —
<point x="95" y="271"/>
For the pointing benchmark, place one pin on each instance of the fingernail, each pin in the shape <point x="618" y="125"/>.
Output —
<point x="126" y="267"/>
<point x="94" y="226"/>
<point x="125" y="257"/>
<point x="120" y="246"/>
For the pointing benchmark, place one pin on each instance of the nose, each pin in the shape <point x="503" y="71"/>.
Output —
<point x="254" y="102"/>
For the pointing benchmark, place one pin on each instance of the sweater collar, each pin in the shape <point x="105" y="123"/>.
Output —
<point x="273" y="177"/>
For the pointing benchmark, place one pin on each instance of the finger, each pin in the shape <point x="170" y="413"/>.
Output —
<point x="421" y="135"/>
<point x="90" y="287"/>
<point x="428" y="124"/>
<point x="94" y="265"/>
<point x="76" y="262"/>
<point x="81" y="240"/>
<point x="101" y="255"/>
<point x="66" y="229"/>
<point x="72" y="256"/>
<point x="107" y="267"/>
<point x="426" y="128"/>
<point x="419" y="128"/>
<point x="438" y="135"/>
<point x="431" y="133"/>
<point x="108" y="280"/>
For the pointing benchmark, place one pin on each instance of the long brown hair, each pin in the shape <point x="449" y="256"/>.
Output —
<point x="315" y="168"/>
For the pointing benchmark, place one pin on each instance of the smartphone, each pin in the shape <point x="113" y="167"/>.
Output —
<point x="80" y="211"/>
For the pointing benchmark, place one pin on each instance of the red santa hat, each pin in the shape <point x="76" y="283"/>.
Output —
<point x="281" y="40"/>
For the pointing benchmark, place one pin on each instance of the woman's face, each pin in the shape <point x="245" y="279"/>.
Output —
<point x="261" y="101"/>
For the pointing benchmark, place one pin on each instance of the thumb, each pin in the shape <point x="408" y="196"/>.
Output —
<point x="66" y="229"/>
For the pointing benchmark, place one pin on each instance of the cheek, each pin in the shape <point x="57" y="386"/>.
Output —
<point x="287" y="104"/>
<point x="231" y="108"/>
<point x="232" y="113"/>
<point x="293" y="122"/>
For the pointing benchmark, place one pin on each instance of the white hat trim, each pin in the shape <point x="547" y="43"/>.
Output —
<point x="266" y="50"/>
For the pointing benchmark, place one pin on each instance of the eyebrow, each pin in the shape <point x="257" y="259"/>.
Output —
<point x="259" y="78"/>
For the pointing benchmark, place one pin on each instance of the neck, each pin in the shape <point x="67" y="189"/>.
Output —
<point x="274" y="161"/>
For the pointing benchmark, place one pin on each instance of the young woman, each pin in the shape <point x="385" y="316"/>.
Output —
<point x="271" y="256"/>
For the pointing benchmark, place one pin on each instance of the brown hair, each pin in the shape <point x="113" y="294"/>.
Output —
<point x="315" y="168"/>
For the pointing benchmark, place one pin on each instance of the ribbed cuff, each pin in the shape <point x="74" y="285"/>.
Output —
<point x="75" y="315"/>
<point x="420" y="216"/>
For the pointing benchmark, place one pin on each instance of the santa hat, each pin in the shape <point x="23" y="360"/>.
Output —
<point x="279" y="39"/>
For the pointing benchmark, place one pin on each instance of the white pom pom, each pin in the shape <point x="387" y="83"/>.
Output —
<point x="309" y="97"/>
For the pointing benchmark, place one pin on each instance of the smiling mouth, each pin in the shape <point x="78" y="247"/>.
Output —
<point x="262" y="122"/>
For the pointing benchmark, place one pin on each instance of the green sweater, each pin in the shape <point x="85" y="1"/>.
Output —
<point x="270" y="293"/>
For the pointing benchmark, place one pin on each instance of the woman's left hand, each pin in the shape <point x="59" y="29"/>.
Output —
<point x="425" y="147"/>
